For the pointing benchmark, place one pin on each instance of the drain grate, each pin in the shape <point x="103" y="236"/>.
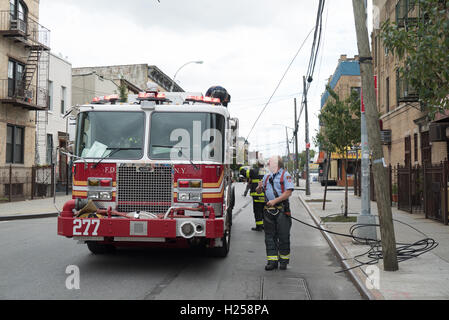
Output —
<point x="284" y="288"/>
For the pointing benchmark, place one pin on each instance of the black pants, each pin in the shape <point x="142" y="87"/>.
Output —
<point x="258" y="212"/>
<point x="277" y="236"/>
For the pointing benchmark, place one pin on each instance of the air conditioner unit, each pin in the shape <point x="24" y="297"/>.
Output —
<point x="18" y="24"/>
<point x="437" y="132"/>
<point x="385" y="137"/>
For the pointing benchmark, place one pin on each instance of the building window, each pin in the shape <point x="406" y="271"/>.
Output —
<point x="63" y="99"/>
<point x="426" y="148"/>
<point x="15" y="144"/>
<point x="408" y="151"/>
<point x="49" y="151"/>
<point x="50" y="95"/>
<point x="15" y="78"/>
<point x="19" y="15"/>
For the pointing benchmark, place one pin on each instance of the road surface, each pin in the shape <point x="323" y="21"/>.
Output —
<point x="35" y="263"/>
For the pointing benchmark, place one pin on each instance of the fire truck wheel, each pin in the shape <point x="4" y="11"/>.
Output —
<point x="222" y="252"/>
<point x="232" y="202"/>
<point x="98" y="248"/>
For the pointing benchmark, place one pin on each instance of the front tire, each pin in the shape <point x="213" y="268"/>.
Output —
<point x="99" y="248"/>
<point x="222" y="252"/>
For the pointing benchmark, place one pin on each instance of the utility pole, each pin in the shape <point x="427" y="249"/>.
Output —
<point x="288" y="150"/>
<point x="307" y="140"/>
<point x="381" y="176"/>
<point x="365" y="217"/>
<point x="296" y="149"/>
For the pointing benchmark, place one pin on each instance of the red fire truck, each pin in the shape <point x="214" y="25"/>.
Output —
<point x="155" y="172"/>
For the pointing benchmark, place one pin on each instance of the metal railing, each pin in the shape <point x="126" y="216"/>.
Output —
<point x="27" y="27"/>
<point x="19" y="183"/>
<point x="17" y="90"/>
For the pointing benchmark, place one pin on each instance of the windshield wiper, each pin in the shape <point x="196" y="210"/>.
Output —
<point x="171" y="147"/>
<point x="114" y="151"/>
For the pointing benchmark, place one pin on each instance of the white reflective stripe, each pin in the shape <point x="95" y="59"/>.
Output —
<point x="138" y="239"/>
<point x="80" y="188"/>
<point x="272" y="258"/>
<point x="285" y="257"/>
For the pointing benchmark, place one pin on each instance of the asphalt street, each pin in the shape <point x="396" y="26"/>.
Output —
<point x="34" y="261"/>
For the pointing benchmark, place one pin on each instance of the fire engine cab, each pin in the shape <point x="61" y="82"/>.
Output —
<point x="153" y="172"/>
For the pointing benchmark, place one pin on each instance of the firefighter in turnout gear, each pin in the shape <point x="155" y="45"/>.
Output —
<point x="278" y="187"/>
<point x="255" y="176"/>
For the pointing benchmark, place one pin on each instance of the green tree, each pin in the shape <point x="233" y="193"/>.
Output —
<point x="123" y="91"/>
<point x="423" y="46"/>
<point x="302" y="158"/>
<point x="340" y="120"/>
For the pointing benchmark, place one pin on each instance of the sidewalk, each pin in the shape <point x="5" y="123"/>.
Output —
<point x="424" y="277"/>
<point x="32" y="208"/>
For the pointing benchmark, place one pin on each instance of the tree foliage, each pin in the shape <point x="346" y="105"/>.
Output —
<point x="340" y="120"/>
<point x="423" y="46"/>
<point x="302" y="158"/>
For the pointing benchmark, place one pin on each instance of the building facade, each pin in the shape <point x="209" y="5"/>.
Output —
<point x="56" y="129"/>
<point x="89" y="82"/>
<point x="24" y="62"/>
<point x="345" y="79"/>
<point x="411" y="137"/>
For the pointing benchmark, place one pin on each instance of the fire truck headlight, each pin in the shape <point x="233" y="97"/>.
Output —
<point x="105" y="195"/>
<point x="183" y="196"/>
<point x="187" y="229"/>
<point x="195" y="196"/>
<point x="94" y="195"/>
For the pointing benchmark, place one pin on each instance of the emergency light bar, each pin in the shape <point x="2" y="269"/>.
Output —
<point x="209" y="100"/>
<point x="103" y="99"/>
<point x="152" y="96"/>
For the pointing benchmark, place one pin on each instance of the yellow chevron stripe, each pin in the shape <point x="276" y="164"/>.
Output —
<point x="84" y="183"/>
<point x="79" y="193"/>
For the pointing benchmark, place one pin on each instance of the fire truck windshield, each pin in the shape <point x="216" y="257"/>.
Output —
<point x="118" y="135"/>
<point x="197" y="136"/>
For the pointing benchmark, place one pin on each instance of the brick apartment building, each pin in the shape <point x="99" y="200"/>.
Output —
<point x="345" y="79"/>
<point x="24" y="58"/>
<point x="412" y="138"/>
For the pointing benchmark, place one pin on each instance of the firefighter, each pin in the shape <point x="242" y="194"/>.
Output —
<point x="255" y="176"/>
<point x="278" y="187"/>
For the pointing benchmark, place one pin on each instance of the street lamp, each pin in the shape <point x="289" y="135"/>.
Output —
<point x="174" y="77"/>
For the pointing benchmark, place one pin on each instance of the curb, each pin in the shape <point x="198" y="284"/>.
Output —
<point x="356" y="275"/>
<point x="28" y="216"/>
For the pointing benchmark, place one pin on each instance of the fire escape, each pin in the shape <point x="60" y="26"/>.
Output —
<point x="29" y="89"/>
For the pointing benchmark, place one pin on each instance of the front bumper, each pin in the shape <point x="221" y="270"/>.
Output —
<point x="117" y="226"/>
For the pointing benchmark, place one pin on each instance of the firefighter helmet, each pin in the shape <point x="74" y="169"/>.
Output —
<point x="219" y="92"/>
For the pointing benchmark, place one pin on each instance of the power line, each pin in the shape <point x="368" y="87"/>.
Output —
<point x="279" y="83"/>
<point x="314" y="53"/>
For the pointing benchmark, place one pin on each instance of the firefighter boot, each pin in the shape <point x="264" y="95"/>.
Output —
<point x="271" y="265"/>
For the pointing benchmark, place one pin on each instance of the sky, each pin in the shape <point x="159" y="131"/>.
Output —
<point x="246" y="46"/>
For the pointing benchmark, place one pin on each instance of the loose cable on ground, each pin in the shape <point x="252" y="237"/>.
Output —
<point x="404" y="251"/>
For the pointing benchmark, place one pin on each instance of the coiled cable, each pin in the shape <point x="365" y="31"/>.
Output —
<point x="405" y="251"/>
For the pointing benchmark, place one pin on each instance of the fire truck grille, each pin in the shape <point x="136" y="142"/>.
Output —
<point x="142" y="189"/>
